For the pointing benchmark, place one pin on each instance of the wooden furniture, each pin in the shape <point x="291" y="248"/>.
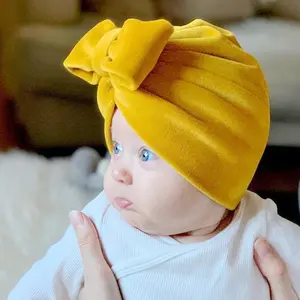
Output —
<point x="8" y="124"/>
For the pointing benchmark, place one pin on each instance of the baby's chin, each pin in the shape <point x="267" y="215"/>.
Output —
<point x="134" y="219"/>
<point x="143" y="225"/>
<point x="148" y="231"/>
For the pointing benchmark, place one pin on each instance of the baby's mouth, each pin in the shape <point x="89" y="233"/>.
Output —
<point x="122" y="202"/>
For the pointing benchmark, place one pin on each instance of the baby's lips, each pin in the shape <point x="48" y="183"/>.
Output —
<point x="122" y="202"/>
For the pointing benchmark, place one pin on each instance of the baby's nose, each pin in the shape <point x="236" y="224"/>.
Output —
<point x="122" y="176"/>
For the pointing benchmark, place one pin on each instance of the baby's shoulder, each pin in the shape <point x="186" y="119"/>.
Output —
<point x="280" y="232"/>
<point x="284" y="236"/>
<point x="265" y="211"/>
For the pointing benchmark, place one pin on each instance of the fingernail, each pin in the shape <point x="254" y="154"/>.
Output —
<point x="76" y="218"/>
<point x="264" y="248"/>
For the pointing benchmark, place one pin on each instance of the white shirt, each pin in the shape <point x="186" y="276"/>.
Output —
<point x="152" y="268"/>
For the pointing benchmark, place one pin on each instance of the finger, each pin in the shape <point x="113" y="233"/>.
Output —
<point x="89" y="243"/>
<point x="275" y="271"/>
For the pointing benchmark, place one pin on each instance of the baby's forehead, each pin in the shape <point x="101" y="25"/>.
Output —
<point x="121" y="130"/>
<point x="119" y="124"/>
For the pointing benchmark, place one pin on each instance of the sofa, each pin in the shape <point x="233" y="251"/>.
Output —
<point x="59" y="110"/>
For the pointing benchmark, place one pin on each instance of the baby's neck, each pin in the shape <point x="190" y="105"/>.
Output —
<point x="207" y="233"/>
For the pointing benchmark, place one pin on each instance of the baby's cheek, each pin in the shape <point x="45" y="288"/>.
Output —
<point x="160" y="206"/>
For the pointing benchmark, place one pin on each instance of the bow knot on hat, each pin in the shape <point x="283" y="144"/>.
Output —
<point x="124" y="55"/>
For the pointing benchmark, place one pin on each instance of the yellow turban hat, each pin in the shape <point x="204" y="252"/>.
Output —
<point x="191" y="93"/>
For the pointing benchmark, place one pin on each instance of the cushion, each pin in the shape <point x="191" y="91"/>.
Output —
<point x="183" y="11"/>
<point x="54" y="11"/>
<point x="41" y="51"/>
<point x="60" y="122"/>
<point x="120" y="10"/>
<point x="282" y="8"/>
<point x="275" y="43"/>
<point x="287" y="8"/>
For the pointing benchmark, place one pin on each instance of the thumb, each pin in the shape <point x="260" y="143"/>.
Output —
<point x="89" y="243"/>
<point x="275" y="271"/>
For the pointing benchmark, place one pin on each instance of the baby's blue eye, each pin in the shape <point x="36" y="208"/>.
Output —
<point x="117" y="148"/>
<point x="147" y="155"/>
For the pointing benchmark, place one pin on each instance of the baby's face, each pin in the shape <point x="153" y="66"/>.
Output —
<point x="149" y="193"/>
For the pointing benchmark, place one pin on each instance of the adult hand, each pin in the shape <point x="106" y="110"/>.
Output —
<point x="274" y="270"/>
<point x="99" y="280"/>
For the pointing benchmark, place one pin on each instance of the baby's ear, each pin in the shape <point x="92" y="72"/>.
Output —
<point x="83" y="165"/>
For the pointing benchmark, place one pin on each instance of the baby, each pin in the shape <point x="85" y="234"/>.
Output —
<point x="186" y="114"/>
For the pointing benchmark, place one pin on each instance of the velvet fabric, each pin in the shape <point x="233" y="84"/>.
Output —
<point x="192" y="94"/>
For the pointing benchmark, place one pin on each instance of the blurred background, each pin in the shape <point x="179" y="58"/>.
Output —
<point x="47" y="116"/>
